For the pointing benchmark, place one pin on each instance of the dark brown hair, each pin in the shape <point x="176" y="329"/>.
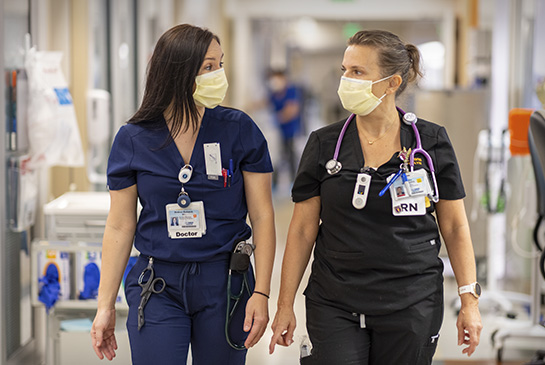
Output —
<point x="395" y="57"/>
<point x="172" y="69"/>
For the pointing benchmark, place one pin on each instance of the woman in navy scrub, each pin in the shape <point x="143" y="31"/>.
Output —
<point x="181" y="155"/>
<point x="375" y="293"/>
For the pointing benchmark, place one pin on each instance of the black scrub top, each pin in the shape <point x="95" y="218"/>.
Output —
<point x="369" y="261"/>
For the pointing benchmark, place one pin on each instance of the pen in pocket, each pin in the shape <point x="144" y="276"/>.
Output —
<point x="224" y="173"/>
<point x="230" y="171"/>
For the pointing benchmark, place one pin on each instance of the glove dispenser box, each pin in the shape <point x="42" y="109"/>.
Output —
<point x="87" y="273"/>
<point x="55" y="265"/>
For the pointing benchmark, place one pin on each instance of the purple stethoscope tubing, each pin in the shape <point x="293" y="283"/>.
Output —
<point x="408" y="118"/>
<point x="341" y="136"/>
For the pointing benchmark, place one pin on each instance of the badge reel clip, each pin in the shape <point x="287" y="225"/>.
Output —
<point x="184" y="176"/>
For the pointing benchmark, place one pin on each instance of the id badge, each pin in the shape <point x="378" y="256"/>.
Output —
<point x="398" y="190"/>
<point x="418" y="183"/>
<point x="187" y="222"/>
<point x="212" y="160"/>
<point x="402" y="203"/>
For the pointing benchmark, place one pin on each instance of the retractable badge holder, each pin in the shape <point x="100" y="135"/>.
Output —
<point x="184" y="176"/>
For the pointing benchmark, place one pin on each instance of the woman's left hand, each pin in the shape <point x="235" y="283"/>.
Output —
<point x="257" y="317"/>
<point x="469" y="327"/>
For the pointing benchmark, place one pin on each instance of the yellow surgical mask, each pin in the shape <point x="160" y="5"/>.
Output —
<point x="211" y="89"/>
<point x="357" y="95"/>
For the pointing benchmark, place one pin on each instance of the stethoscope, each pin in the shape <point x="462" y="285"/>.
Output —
<point x="333" y="166"/>
<point x="239" y="263"/>
<point x="245" y="287"/>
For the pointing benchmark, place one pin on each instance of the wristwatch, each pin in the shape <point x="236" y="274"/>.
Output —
<point x="474" y="289"/>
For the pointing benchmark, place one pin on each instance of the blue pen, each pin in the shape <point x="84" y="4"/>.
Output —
<point x="391" y="182"/>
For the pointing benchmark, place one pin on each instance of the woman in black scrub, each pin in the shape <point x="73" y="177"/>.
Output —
<point x="375" y="294"/>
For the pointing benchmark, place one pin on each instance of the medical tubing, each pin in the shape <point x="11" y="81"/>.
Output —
<point x="418" y="148"/>
<point x="500" y="201"/>
<point x="343" y="131"/>
<point x="514" y="241"/>
<point x="521" y="215"/>
<point x="341" y="136"/>
<point x="435" y="196"/>
<point x="487" y="173"/>
<point x="542" y="264"/>
<point x="536" y="233"/>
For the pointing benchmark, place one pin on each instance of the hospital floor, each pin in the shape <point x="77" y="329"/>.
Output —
<point x="448" y="353"/>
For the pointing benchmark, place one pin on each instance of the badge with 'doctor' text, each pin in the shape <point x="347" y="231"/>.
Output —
<point x="186" y="222"/>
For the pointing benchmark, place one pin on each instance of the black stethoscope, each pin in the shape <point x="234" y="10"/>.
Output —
<point x="245" y="287"/>
<point x="333" y="166"/>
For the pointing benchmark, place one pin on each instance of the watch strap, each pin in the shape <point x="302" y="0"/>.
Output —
<point x="470" y="288"/>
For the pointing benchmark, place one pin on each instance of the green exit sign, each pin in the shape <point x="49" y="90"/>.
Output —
<point x="349" y="29"/>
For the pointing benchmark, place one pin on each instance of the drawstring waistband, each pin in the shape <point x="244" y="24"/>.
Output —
<point x="192" y="268"/>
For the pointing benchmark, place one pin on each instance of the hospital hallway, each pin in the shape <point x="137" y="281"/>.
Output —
<point x="241" y="88"/>
<point x="448" y="353"/>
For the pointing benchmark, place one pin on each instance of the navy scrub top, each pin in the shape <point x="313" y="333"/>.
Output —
<point x="138" y="156"/>
<point x="370" y="261"/>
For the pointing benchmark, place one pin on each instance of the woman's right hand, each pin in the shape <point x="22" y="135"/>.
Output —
<point x="102" y="334"/>
<point x="283" y="327"/>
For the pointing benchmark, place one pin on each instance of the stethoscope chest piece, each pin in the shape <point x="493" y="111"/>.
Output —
<point x="410" y="118"/>
<point x="333" y="166"/>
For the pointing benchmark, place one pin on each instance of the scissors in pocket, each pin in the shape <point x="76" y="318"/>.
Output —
<point x="150" y="285"/>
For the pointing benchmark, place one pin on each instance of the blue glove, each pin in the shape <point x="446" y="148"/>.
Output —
<point x="91" y="279"/>
<point x="49" y="287"/>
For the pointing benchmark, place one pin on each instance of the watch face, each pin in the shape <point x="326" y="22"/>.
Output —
<point x="478" y="289"/>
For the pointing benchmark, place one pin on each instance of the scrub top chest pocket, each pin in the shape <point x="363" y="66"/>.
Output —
<point x="216" y="167"/>
<point x="222" y="193"/>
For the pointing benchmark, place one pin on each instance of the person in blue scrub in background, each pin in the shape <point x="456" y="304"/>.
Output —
<point x="286" y="101"/>
<point x="182" y="154"/>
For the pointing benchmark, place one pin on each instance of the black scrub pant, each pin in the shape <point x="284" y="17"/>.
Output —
<point x="407" y="336"/>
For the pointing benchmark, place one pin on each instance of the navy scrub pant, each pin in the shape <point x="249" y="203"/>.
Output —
<point x="405" y="337"/>
<point x="191" y="310"/>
